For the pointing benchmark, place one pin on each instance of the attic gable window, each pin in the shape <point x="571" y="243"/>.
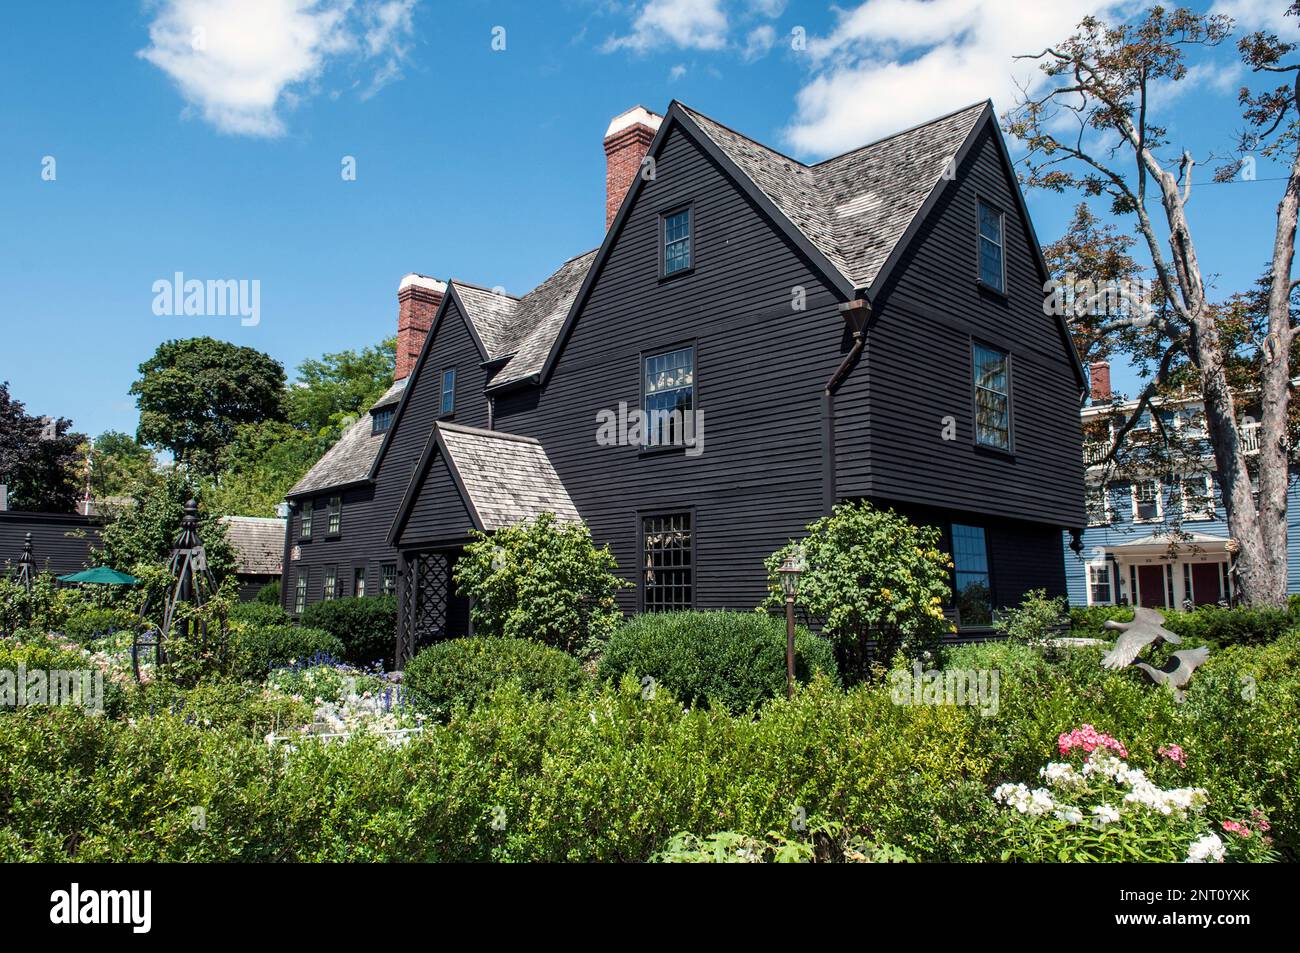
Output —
<point x="447" y="403"/>
<point x="992" y="259"/>
<point x="381" y="420"/>
<point x="677" y="241"/>
<point x="992" y="398"/>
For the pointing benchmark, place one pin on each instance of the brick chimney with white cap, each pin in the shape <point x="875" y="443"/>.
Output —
<point x="627" y="140"/>
<point x="418" y="298"/>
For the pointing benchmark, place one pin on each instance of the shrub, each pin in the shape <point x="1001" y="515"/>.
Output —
<point x="367" y="626"/>
<point x="269" y="594"/>
<point x="1220" y="627"/>
<point x="871" y="576"/>
<point x="40" y="608"/>
<point x="259" y="613"/>
<point x="463" y="673"/>
<point x="91" y="624"/>
<point x="1036" y="620"/>
<point x="260" y="649"/>
<point x="1089" y="622"/>
<point x="734" y="658"/>
<point x="541" y="580"/>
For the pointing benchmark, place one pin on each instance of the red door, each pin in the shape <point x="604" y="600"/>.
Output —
<point x="1207" y="585"/>
<point x="1151" y="586"/>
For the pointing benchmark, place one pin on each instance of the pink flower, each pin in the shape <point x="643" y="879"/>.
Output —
<point x="1088" y="739"/>
<point x="1235" y="827"/>
<point x="1174" y="753"/>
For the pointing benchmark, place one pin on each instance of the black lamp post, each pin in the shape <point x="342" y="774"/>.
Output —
<point x="790" y="572"/>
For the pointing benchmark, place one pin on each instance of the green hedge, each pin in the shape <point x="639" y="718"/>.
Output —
<point x="259" y="613"/>
<point x="464" y="673"/>
<point x="91" y="624"/>
<point x="366" y="626"/>
<point x="1210" y="625"/>
<point x="259" y="649"/>
<point x="734" y="658"/>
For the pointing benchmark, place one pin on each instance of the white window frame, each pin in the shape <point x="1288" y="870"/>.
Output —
<point x="1208" y="513"/>
<point x="1109" y="516"/>
<point x="1104" y="566"/>
<point x="1160" y="501"/>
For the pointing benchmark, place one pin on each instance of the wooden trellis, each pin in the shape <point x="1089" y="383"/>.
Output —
<point x="192" y="584"/>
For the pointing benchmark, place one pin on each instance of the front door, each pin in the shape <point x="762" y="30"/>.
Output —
<point x="1207" y="584"/>
<point x="1151" y="586"/>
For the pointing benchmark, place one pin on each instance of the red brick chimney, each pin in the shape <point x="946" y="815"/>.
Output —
<point x="1099" y="374"/>
<point x="418" y="298"/>
<point x="627" y="140"/>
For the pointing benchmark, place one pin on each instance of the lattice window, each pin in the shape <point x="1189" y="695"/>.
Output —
<point x="667" y="569"/>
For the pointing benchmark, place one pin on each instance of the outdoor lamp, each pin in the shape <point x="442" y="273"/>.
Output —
<point x="790" y="572"/>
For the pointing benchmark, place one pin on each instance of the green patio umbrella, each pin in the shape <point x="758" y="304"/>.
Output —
<point x="101" y="575"/>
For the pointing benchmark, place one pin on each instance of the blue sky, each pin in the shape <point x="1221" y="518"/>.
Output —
<point x="207" y="137"/>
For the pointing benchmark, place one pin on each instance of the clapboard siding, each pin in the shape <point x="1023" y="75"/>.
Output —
<point x="760" y="370"/>
<point x="917" y="370"/>
<point x="61" y="542"/>
<point x="439" y="513"/>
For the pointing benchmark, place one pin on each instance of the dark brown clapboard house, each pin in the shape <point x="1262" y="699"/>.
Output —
<point x="868" y="327"/>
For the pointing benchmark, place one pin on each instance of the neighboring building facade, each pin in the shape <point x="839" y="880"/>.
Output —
<point x="258" y="543"/>
<point x="869" y="327"/>
<point x="1158" y="541"/>
<point x="61" y="542"/>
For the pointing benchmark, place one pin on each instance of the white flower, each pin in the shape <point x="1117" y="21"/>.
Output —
<point x="1205" y="850"/>
<point x="1071" y="815"/>
<point x="1104" y="814"/>
<point x="1060" y="774"/>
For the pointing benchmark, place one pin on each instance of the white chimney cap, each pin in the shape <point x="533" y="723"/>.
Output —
<point x="423" y="281"/>
<point x="635" y="115"/>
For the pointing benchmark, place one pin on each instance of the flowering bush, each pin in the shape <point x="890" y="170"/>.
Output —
<point x="1103" y="809"/>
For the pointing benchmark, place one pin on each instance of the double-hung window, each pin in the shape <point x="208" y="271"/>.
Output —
<point x="447" y="403"/>
<point x="677" y="241"/>
<point x="992" y="397"/>
<point x="331" y="582"/>
<point x="992" y="257"/>
<point x="307" y="507"/>
<point x="388" y="579"/>
<point x="300" y="592"/>
<point x="1099" y="584"/>
<point x="667" y="562"/>
<point x="335" y="515"/>
<point x="668" y="398"/>
<point x="1147" y="504"/>
<point x="359" y="582"/>
<point x="1098" y="501"/>
<point x="970" y="557"/>
<point x="1197" y="492"/>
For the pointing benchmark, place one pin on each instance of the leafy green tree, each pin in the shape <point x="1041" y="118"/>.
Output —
<point x="193" y="394"/>
<point x="541" y="580"/>
<point x="39" y="461"/>
<point x="140" y="536"/>
<point x="259" y="466"/>
<point x="870" y="575"/>
<point x="335" y="388"/>
<point x="118" y="464"/>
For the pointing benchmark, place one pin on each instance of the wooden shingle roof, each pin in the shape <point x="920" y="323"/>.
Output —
<point x="349" y="460"/>
<point x="258" y="543"/>
<point x="507" y="478"/>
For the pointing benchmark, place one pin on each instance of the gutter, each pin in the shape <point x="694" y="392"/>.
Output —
<point x="857" y="314"/>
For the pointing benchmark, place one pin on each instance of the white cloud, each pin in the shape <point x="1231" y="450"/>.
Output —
<point x="688" y="24"/>
<point x="239" y="63"/>
<point x="1259" y="15"/>
<point x="759" y="42"/>
<point x="888" y="62"/>
<point x="677" y="72"/>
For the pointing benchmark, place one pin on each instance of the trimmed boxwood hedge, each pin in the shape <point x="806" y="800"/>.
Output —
<point x="735" y="658"/>
<point x="462" y="673"/>
<point x="366" y="626"/>
<point x="262" y="648"/>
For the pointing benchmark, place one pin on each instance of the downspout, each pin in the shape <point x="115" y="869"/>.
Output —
<point x="856" y="314"/>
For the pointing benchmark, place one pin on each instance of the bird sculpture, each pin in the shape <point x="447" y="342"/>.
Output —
<point x="1147" y="628"/>
<point x="1178" y="670"/>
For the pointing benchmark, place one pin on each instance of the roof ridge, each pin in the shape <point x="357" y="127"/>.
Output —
<point x="737" y="132"/>
<point x="492" y="291"/>
<point x="481" y="432"/>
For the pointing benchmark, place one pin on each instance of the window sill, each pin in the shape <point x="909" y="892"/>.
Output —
<point x="995" y="451"/>
<point x="676" y="274"/>
<point x="989" y="289"/>
<point x="671" y="450"/>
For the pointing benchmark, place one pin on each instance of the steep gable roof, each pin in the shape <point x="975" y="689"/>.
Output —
<point x="491" y="315"/>
<point x="502" y="478"/>
<point x="350" y="459"/>
<point x="541" y="314"/>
